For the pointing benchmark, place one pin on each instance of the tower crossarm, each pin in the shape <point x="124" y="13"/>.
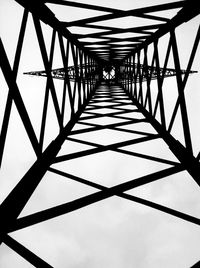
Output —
<point x="84" y="72"/>
<point x="126" y="71"/>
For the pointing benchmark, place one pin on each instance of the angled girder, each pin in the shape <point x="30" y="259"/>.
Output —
<point x="121" y="13"/>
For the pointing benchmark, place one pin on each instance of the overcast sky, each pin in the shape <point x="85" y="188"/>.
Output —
<point x="114" y="232"/>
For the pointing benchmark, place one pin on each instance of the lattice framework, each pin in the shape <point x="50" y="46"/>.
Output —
<point x="137" y="86"/>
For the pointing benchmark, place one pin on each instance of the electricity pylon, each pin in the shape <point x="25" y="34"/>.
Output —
<point x="135" y="94"/>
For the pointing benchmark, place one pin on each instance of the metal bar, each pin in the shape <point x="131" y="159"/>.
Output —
<point x="19" y="196"/>
<point x="20" y="42"/>
<point x="138" y="29"/>
<point x="65" y="58"/>
<point x="185" y="14"/>
<point x="81" y="5"/>
<point x="135" y="77"/>
<point x="196" y="265"/>
<point x="194" y="49"/>
<point x="140" y="95"/>
<point x="139" y="200"/>
<point x="193" y="53"/>
<point x="78" y="77"/>
<point x="159" y="83"/>
<point x="189" y="162"/>
<point x="122" y="13"/>
<point x="8" y="108"/>
<point x="10" y="78"/>
<point x="75" y="60"/>
<point x="5" y="123"/>
<point x="166" y="60"/>
<point x="25" y="253"/>
<point x="46" y="97"/>
<point x="153" y="17"/>
<point x="64" y="95"/>
<point x="47" y="68"/>
<point x="81" y="75"/>
<point x="149" y="157"/>
<point x="185" y="121"/>
<point x="42" y="12"/>
<point x="148" y="80"/>
<point x="157" y="97"/>
<point x="115" y="39"/>
<point x="102" y="148"/>
<point x="90" y="199"/>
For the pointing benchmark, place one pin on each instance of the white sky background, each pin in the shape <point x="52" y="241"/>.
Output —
<point x="115" y="232"/>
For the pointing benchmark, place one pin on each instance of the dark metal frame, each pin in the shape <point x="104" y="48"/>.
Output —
<point x="85" y="60"/>
<point x="125" y="72"/>
<point x="136" y="92"/>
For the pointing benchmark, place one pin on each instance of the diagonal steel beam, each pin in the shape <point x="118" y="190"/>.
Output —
<point x="118" y="14"/>
<point x="186" y="158"/>
<point x="10" y="78"/>
<point x="27" y="185"/>
<point x="9" y="101"/>
<point x="25" y="253"/>
<point x="43" y="13"/>
<point x="188" y="12"/>
<point x="82" y="5"/>
<point x="129" y="197"/>
<point x="90" y="199"/>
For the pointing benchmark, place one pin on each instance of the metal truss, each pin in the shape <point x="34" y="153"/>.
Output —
<point x="128" y="72"/>
<point x="83" y="88"/>
<point x="125" y="72"/>
<point x="82" y="73"/>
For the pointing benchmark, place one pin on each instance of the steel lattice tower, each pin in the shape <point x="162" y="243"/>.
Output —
<point x="111" y="88"/>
